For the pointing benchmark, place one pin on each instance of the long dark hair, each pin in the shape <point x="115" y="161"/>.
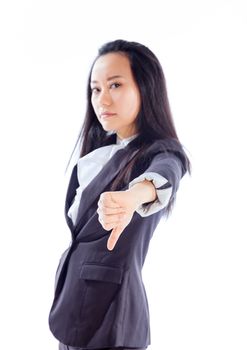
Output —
<point x="154" y="120"/>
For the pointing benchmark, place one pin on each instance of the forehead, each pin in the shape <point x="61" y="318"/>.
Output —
<point x="111" y="64"/>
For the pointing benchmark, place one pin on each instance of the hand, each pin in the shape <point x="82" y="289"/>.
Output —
<point x="115" y="211"/>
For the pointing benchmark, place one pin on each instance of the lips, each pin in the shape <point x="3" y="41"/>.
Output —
<point x="107" y="114"/>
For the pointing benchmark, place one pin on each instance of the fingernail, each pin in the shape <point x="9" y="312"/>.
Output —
<point x="109" y="246"/>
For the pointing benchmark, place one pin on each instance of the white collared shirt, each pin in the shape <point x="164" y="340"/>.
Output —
<point x="91" y="164"/>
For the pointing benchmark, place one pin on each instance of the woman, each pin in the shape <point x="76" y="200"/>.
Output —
<point x="126" y="179"/>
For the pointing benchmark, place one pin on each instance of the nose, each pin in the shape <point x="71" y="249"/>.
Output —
<point x="104" y="98"/>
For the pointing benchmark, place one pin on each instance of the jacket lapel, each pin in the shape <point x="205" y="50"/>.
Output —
<point x="71" y="192"/>
<point x="100" y="181"/>
<point x="95" y="187"/>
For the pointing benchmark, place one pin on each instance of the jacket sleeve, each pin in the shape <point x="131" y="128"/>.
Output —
<point x="165" y="171"/>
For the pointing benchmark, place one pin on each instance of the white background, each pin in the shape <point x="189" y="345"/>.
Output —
<point x="195" y="271"/>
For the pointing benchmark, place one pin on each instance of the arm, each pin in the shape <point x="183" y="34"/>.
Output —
<point x="117" y="208"/>
<point x="153" y="190"/>
<point x="164" y="172"/>
<point x="144" y="191"/>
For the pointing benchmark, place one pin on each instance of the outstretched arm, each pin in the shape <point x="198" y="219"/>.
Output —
<point x="116" y="209"/>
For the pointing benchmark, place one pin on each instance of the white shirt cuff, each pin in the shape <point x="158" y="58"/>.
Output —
<point x="163" y="195"/>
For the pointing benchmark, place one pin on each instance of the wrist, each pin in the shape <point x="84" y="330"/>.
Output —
<point x="143" y="192"/>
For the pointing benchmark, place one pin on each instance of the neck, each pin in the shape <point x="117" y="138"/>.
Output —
<point x="125" y="137"/>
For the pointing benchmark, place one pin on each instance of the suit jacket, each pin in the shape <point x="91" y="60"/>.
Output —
<point x="99" y="299"/>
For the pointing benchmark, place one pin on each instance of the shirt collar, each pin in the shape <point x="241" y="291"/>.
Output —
<point x="125" y="141"/>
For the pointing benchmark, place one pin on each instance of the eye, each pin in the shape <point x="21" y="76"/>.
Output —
<point x="116" y="85"/>
<point x="94" y="89"/>
<point x="113" y="85"/>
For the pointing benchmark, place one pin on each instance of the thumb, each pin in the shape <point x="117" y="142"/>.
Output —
<point x="114" y="236"/>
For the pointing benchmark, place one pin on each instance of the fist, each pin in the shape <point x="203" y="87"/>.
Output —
<point x="115" y="210"/>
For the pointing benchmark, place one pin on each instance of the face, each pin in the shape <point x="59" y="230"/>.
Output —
<point x="115" y="92"/>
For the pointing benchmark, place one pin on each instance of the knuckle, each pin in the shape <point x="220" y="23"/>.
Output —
<point x="103" y="224"/>
<point x="104" y="210"/>
<point x="107" y="226"/>
<point x="103" y="197"/>
<point x="103" y="203"/>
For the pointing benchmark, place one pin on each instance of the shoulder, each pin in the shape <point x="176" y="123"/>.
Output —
<point x="168" y="148"/>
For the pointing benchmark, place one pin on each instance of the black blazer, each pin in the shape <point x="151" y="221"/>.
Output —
<point x="100" y="300"/>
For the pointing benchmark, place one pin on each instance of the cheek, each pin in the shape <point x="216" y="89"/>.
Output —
<point x="133" y="104"/>
<point x="93" y="102"/>
<point x="128" y="101"/>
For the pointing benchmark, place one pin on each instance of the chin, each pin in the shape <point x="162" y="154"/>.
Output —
<point x="106" y="128"/>
<point x="109" y="130"/>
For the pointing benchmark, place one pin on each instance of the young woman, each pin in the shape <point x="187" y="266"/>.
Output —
<point x="131" y="162"/>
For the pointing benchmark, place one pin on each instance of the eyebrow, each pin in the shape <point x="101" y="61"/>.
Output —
<point x="110" y="78"/>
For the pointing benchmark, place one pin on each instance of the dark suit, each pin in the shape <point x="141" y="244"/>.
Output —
<point x="100" y="300"/>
